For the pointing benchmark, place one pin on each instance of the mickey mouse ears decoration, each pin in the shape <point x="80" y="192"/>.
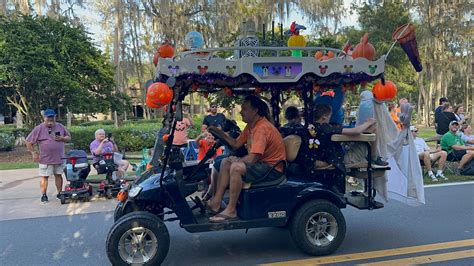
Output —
<point x="405" y="36"/>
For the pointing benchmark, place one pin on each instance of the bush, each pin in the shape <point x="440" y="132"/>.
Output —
<point x="15" y="132"/>
<point x="128" y="138"/>
<point x="7" y="142"/>
<point x="128" y="122"/>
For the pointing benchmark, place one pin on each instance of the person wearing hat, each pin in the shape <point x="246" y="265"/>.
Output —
<point x="50" y="137"/>
<point x="455" y="146"/>
<point x="424" y="154"/>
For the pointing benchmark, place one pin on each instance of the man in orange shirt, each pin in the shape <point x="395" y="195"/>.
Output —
<point x="265" y="149"/>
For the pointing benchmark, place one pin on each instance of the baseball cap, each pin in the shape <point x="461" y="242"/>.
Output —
<point x="453" y="122"/>
<point x="413" y="128"/>
<point x="49" y="113"/>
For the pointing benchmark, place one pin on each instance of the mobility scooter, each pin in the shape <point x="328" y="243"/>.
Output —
<point x="76" y="171"/>
<point x="306" y="199"/>
<point x="112" y="183"/>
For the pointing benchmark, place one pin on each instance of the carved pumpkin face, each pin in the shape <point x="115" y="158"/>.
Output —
<point x="158" y="95"/>
<point x="384" y="93"/>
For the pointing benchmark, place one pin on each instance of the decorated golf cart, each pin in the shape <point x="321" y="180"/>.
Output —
<point x="308" y="202"/>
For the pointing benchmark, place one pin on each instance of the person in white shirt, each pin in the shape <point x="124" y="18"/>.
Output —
<point x="424" y="154"/>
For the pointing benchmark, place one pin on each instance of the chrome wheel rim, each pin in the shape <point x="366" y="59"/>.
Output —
<point x="321" y="229"/>
<point x="138" y="245"/>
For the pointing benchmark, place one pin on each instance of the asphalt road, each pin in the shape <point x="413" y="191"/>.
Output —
<point x="80" y="239"/>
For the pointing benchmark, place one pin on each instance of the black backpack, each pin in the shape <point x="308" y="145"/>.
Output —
<point x="468" y="169"/>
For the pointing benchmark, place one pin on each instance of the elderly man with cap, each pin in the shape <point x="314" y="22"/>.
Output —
<point x="50" y="137"/>
<point x="455" y="146"/>
<point x="424" y="154"/>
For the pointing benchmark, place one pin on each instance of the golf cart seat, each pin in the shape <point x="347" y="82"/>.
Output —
<point x="359" y="169"/>
<point x="292" y="146"/>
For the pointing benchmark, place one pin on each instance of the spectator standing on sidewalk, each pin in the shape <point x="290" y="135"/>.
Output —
<point x="50" y="137"/>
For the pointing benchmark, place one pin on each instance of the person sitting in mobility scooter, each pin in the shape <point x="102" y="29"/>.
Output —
<point x="76" y="171"/>
<point x="306" y="199"/>
<point x="106" y="161"/>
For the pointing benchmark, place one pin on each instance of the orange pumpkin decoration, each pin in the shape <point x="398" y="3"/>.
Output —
<point x="318" y="55"/>
<point x="384" y="93"/>
<point x="158" y="95"/>
<point x="166" y="137"/>
<point x="166" y="50"/>
<point x="324" y="58"/>
<point x="330" y="54"/>
<point x="364" y="49"/>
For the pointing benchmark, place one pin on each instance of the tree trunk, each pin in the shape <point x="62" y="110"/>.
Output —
<point x="117" y="41"/>
<point x="69" y="118"/>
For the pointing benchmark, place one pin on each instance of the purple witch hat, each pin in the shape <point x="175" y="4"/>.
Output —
<point x="405" y="35"/>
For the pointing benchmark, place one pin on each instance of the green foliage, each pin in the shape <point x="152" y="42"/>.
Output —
<point x="15" y="132"/>
<point x="7" y="142"/>
<point x="128" y="122"/>
<point x="49" y="62"/>
<point x="128" y="138"/>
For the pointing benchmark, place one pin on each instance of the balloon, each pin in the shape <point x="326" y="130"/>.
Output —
<point x="158" y="95"/>
<point x="194" y="40"/>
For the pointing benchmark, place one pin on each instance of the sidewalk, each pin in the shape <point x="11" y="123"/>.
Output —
<point x="20" y="198"/>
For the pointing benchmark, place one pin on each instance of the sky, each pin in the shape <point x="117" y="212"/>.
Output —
<point x="92" y="21"/>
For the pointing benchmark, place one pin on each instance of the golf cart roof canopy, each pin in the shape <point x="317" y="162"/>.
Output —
<point x="203" y="70"/>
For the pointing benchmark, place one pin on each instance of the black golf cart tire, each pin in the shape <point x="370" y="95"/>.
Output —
<point x="135" y="219"/>
<point x="90" y="191"/>
<point x="62" y="198"/>
<point x="301" y="217"/>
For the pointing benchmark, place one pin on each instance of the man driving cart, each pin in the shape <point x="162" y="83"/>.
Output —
<point x="266" y="152"/>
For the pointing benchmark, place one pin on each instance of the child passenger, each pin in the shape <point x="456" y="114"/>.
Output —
<point x="320" y="146"/>
<point x="205" y="142"/>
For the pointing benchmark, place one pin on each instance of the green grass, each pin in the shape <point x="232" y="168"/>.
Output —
<point x="426" y="132"/>
<point x="9" y="166"/>
<point x="451" y="179"/>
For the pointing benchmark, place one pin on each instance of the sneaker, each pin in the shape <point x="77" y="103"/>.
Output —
<point x="44" y="198"/>
<point x="58" y="196"/>
<point x="433" y="177"/>
<point x="441" y="175"/>
<point x="380" y="162"/>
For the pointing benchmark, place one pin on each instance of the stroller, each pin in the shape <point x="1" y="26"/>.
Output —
<point x="76" y="171"/>
<point x="112" y="183"/>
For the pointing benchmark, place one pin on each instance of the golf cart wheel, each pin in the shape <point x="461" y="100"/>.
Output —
<point x="318" y="227"/>
<point x="62" y="198"/>
<point x="138" y="238"/>
<point x="108" y="193"/>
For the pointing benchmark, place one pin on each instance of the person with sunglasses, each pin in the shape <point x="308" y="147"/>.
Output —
<point x="424" y="154"/>
<point x="213" y="119"/>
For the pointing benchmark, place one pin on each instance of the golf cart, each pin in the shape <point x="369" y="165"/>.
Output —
<point x="309" y="204"/>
